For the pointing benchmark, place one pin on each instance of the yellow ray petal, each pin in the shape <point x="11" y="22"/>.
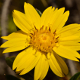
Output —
<point x="14" y="42"/>
<point x="62" y="64"/>
<point x="18" y="34"/>
<point x="70" y="27"/>
<point x="69" y="43"/>
<point x="41" y="66"/>
<point x="4" y="37"/>
<point x="38" y="68"/>
<point x="46" y="16"/>
<point x="62" y="21"/>
<point x="28" y="59"/>
<point x="21" y="57"/>
<point x="69" y="30"/>
<point x="16" y="48"/>
<point x="18" y="58"/>
<point x="31" y="62"/>
<point x="32" y="15"/>
<point x="76" y="48"/>
<point x="70" y="33"/>
<point x="66" y="52"/>
<point x="45" y="70"/>
<point x="21" y="21"/>
<point x="69" y="38"/>
<point x="54" y="65"/>
<point x="57" y="18"/>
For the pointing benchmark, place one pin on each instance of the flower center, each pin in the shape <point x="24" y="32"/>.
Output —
<point x="43" y="40"/>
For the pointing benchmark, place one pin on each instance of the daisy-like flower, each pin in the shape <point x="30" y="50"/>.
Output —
<point x="44" y="40"/>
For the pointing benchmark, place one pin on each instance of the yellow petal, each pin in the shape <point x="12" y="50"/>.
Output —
<point x="54" y="65"/>
<point x="18" y="34"/>
<point x="31" y="61"/>
<point x="56" y="19"/>
<point x="69" y="38"/>
<point x="69" y="30"/>
<point x="69" y="43"/>
<point x="41" y="68"/>
<point x="76" y="48"/>
<point x="66" y="52"/>
<point x="4" y="37"/>
<point x="21" y="21"/>
<point x="45" y="70"/>
<point x="62" y="64"/>
<point x="21" y="57"/>
<point x="18" y="58"/>
<point x="70" y="27"/>
<point x="46" y="16"/>
<point x="15" y="45"/>
<point x="15" y="48"/>
<point x="62" y="21"/>
<point x="32" y="15"/>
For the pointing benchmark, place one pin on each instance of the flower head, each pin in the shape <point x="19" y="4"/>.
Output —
<point x="44" y="39"/>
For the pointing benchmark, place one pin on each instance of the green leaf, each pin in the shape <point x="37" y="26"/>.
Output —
<point x="76" y="76"/>
<point x="9" y="60"/>
<point x="10" y="77"/>
<point x="39" y="12"/>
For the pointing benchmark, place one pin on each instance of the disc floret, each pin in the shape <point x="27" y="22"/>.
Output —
<point x="43" y="40"/>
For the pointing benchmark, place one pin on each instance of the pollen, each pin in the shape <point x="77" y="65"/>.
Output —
<point x="43" y="40"/>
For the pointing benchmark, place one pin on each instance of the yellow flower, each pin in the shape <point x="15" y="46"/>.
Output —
<point x="44" y="40"/>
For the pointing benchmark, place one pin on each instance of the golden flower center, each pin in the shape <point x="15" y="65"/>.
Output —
<point x="43" y="40"/>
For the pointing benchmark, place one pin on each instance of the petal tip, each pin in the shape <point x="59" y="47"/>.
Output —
<point x="62" y="9"/>
<point x="21" y="73"/>
<point x="67" y="12"/>
<point x="25" y="3"/>
<point x="14" y="10"/>
<point x="4" y="37"/>
<point x="4" y="51"/>
<point x="2" y="46"/>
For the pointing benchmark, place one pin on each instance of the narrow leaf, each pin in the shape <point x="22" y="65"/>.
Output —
<point x="76" y="76"/>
